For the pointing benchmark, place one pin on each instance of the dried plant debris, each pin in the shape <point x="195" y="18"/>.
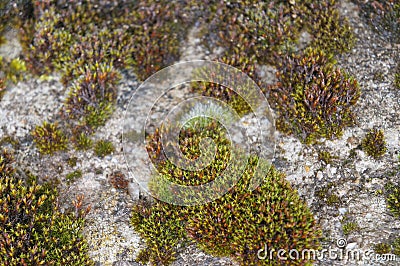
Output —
<point x="313" y="97"/>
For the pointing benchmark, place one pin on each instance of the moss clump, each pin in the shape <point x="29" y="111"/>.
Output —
<point x="71" y="177"/>
<point x="103" y="148"/>
<point x="397" y="77"/>
<point x="33" y="231"/>
<point x="331" y="32"/>
<point x="325" y="156"/>
<point x="374" y="143"/>
<point x="327" y="195"/>
<point x="90" y="42"/>
<point x="11" y="71"/>
<point x="242" y="62"/>
<point x="396" y="246"/>
<point x="393" y="198"/>
<point x="92" y="96"/>
<point x="349" y="227"/>
<point x="82" y="141"/>
<point x="238" y="224"/>
<point x="313" y="97"/>
<point x="382" y="248"/>
<point x="118" y="180"/>
<point x="49" y="138"/>
<point x="263" y="29"/>
<point x="269" y="29"/>
<point x="384" y="16"/>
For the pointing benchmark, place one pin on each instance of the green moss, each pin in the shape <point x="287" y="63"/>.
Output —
<point x="71" y="177"/>
<point x="89" y="43"/>
<point x="33" y="229"/>
<point x="82" y="141"/>
<point x="397" y="77"/>
<point x="237" y="224"/>
<point x="240" y="61"/>
<point x="382" y="248"/>
<point x="325" y="157"/>
<point x="11" y="141"/>
<point x="92" y="96"/>
<point x="327" y="195"/>
<point x="49" y="138"/>
<point x="103" y="148"/>
<point x="329" y="30"/>
<point x="72" y="161"/>
<point x="11" y="71"/>
<point x="313" y="98"/>
<point x="393" y="198"/>
<point x="396" y="246"/>
<point x="374" y="143"/>
<point x="349" y="227"/>
<point x="269" y="29"/>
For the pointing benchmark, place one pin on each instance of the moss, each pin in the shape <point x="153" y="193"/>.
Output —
<point x="331" y="32"/>
<point x="383" y="16"/>
<point x="92" y="95"/>
<point x="382" y="248"/>
<point x="242" y="62"/>
<point x="71" y="177"/>
<point x="325" y="157"/>
<point x="49" y="138"/>
<point x="397" y="77"/>
<point x="118" y="180"/>
<point x="89" y="43"/>
<point x="393" y="198"/>
<point x="72" y="161"/>
<point x="33" y="229"/>
<point x="396" y="246"/>
<point x="82" y="141"/>
<point x="374" y="143"/>
<point x="237" y="224"/>
<point x="269" y="29"/>
<point x="11" y="72"/>
<point x="326" y="194"/>
<point x="349" y="227"/>
<point x="313" y="98"/>
<point x="9" y="140"/>
<point x="103" y="148"/>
